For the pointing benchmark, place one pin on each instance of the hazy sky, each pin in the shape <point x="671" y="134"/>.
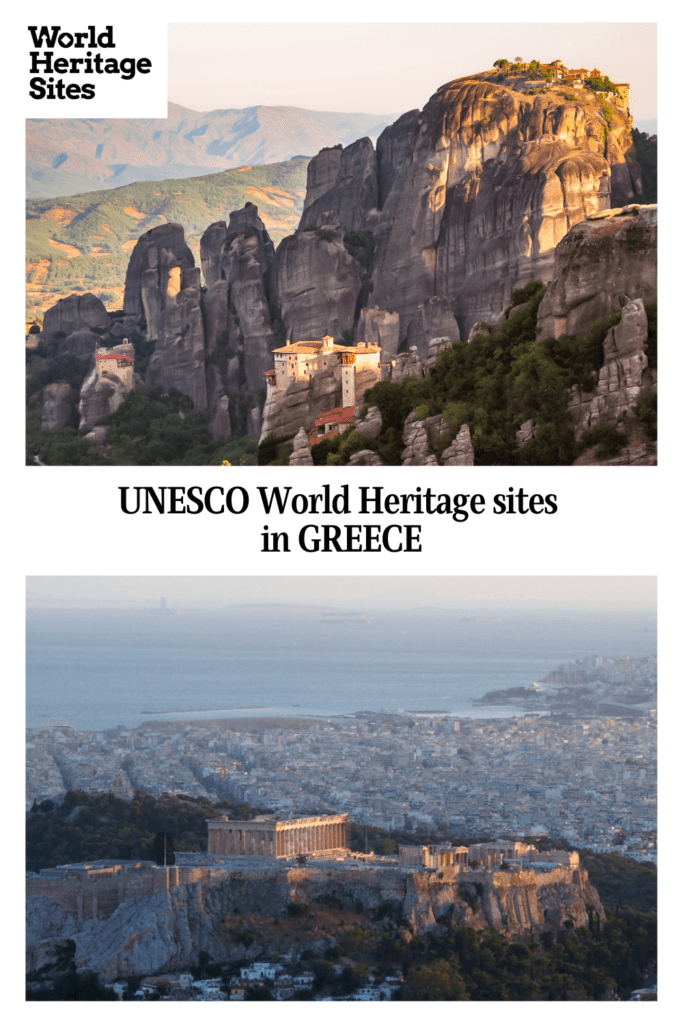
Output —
<point x="387" y="68"/>
<point x="608" y="593"/>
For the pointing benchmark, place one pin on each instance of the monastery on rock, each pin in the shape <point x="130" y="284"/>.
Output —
<point x="302" y="360"/>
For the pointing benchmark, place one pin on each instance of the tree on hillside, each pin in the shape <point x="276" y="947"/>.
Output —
<point x="502" y="64"/>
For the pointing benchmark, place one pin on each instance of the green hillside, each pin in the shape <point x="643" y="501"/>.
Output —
<point x="83" y="243"/>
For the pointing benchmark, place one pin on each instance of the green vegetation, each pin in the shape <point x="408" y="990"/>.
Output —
<point x="148" y="429"/>
<point x="622" y="883"/>
<point x="646" y="155"/>
<point x="62" y="447"/>
<point x="646" y="411"/>
<point x="89" y="826"/>
<point x="601" y="84"/>
<point x="361" y="246"/>
<point x="609" y="441"/>
<point x="493" y="385"/>
<point x="153" y="429"/>
<point x="94" y="826"/>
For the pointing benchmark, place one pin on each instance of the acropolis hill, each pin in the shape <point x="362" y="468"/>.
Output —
<point x="109" y="909"/>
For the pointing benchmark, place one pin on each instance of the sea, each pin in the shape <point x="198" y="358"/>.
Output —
<point x="98" y="669"/>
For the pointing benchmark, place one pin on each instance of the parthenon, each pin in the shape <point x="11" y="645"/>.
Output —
<point x="267" y="837"/>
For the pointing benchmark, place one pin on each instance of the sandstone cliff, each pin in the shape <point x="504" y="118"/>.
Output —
<point x="315" y="281"/>
<point x="74" y="313"/>
<point x="56" y="406"/>
<point x="345" y="184"/>
<point x="238" y="335"/>
<point x="610" y="254"/>
<point x="171" y="299"/>
<point x="159" y="249"/>
<point x="474" y="193"/>
<point x="166" y="931"/>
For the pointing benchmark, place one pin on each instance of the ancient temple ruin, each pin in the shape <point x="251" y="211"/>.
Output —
<point x="268" y="837"/>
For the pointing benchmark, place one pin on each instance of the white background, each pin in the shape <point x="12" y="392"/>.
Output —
<point x="63" y="520"/>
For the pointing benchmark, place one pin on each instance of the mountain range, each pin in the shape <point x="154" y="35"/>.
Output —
<point x="66" y="156"/>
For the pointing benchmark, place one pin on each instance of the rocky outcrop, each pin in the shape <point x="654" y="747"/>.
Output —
<point x="315" y="281"/>
<point x="74" y="313"/>
<point x="350" y="194"/>
<point x="301" y="452"/>
<point x="99" y="398"/>
<point x="611" y="254"/>
<point x="621" y="376"/>
<point x="159" y="250"/>
<point x="406" y="365"/>
<point x="239" y="338"/>
<point x="298" y="406"/>
<point x="371" y="423"/>
<point x="420" y="438"/>
<point x="366" y="457"/>
<point x="379" y="327"/>
<point x="166" y="931"/>
<point x="57" y="406"/>
<point x="286" y="411"/>
<point x="461" y="451"/>
<point x="81" y="344"/>
<point x="430" y="442"/>
<point x="410" y="364"/>
<point x="171" y="298"/>
<point x="436" y="347"/>
<point x="474" y="193"/>
<point x="217" y="239"/>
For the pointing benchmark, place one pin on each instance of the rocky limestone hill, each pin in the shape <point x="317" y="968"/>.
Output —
<point x="166" y="931"/>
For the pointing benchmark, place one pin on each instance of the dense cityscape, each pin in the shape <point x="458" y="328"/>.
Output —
<point x="589" y="778"/>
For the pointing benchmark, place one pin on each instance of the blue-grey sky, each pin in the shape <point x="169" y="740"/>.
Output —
<point x="387" y="67"/>
<point x="607" y="593"/>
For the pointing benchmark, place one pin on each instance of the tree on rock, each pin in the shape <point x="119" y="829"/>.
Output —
<point x="162" y="849"/>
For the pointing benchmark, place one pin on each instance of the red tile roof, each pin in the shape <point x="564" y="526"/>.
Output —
<point x="342" y="414"/>
<point x="116" y="355"/>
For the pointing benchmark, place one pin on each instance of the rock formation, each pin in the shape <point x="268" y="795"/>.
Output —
<point x="74" y="313"/>
<point x="315" y="282"/>
<point x="57" y="407"/>
<point x="468" y="198"/>
<point x="366" y="457"/>
<point x="301" y="453"/>
<point x="621" y="376"/>
<point x="171" y="299"/>
<point x="81" y="344"/>
<point x="165" y="931"/>
<point x="298" y="406"/>
<point x="159" y="250"/>
<point x="239" y="339"/>
<point x="371" y="423"/>
<point x="343" y="182"/>
<point x="611" y="253"/>
<point x="460" y="452"/>
<point x="380" y="327"/>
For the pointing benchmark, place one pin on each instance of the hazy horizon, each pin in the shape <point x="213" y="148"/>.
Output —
<point x="385" y="67"/>
<point x="610" y="594"/>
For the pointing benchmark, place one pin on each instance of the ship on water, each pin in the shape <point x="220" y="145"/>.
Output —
<point x="345" y="619"/>
<point x="482" y="618"/>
